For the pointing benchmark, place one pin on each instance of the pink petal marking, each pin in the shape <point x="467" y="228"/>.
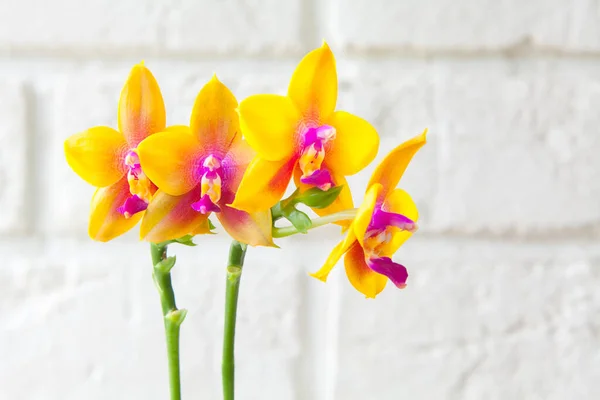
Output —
<point x="205" y="205"/>
<point x="397" y="273"/>
<point x="382" y="219"/>
<point x="321" y="178"/>
<point x="133" y="205"/>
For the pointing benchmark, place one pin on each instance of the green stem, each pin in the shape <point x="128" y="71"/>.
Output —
<point x="328" y="219"/>
<point x="237" y="252"/>
<point x="171" y="315"/>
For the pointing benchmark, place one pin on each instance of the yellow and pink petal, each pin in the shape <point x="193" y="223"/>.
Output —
<point x="355" y="145"/>
<point x="171" y="217"/>
<point x="391" y="169"/>
<point x="263" y="184"/>
<point x="269" y="123"/>
<point x="97" y="155"/>
<point x="214" y="121"/>
<point x="360" y="275"/>
<point x="106" y="221"/>
<point x="253" y="229"/>
<point x="314" y="86"/>
<point x="141" y="106"/>
<point x="170" y="160"/>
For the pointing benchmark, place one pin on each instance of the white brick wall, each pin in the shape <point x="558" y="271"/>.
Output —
<point x="502" y="301"/>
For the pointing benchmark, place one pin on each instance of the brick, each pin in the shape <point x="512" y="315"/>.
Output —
<point x="234" y="26"/>
<point x="456" y="333"/>
<point x="518" y="149"/>
<point x="70" y="104"/>
<point x="83" y="27"/>
<point x="15" y="162"/>
<point x="397" y="98"/>
<point x="469" y="25"/>
<point x="510" y="145"/>
<point x="102" y="328"/>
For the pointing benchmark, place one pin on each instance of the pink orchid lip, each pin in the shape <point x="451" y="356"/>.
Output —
<point x="313" y="154"/>
<point x="320" y="178"/>
<point x="133" y="205"/>
<point x="211" y="182"/>
<point x="397" y="273"/>
<point x="205" y="205"/>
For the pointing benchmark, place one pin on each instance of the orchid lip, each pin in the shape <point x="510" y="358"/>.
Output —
<point x="133" y="205"/>
<point x="320" y="178"/>
<point x="397" y="273"/>
<point x="205" y="205"/>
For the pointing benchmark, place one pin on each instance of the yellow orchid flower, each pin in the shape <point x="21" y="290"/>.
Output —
<point x="198" y="170"/>
<point x="385" y="220"/>
<point x="300" y="134"/>
<point x="108" y="159"/>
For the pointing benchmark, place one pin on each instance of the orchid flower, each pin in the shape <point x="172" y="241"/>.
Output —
<point x="108" y="159"/>
<point x="198" y="170"/>
<point x="384" y="221"/>
<point x="300" y="134"/>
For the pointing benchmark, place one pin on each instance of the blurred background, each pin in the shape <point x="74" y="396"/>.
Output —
<point x="503" y="299"/>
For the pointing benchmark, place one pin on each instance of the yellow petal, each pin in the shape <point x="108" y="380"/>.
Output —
<point x="106" y="223"/>
<point x="365" y="212"/>
<point x="314" y="85"/>
<point x="253" y="229"/>
<point x="202" y="229"/>
<point x="269" y="123"/>
<point x="335" y="255"/>
<point x="263" y="184"/>
<point x="399" y="202"/>
<point x="141" y="107"/>
<point x="168" y="159"/>
<point x="171" y="217"/>
<point x="96" y="155"/>
<point x="342" y="202"/>
<point x="215" y="121"/>
<point x="361" y="276"/>
<point x="355" y="145"/>
<point x="391" y="169"/>
<point x="178" y="128"/>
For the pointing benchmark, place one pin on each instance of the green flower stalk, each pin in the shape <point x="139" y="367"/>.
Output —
<point x="237" y="253"/>
<point x="173" y="317"/>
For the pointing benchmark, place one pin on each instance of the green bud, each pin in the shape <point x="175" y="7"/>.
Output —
<point x="186" y="240"/>
<point x="317" y="198"/>
<point x="300" y="220"/>
<point x="176" y="316"/>
<point x="165" y="266"/>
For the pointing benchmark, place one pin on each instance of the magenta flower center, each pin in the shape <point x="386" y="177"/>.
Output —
<point x="313" y="154"/>
<point x="210" y="186"/>
<point x="378" y="235"/>
<point x="140" y="187"/>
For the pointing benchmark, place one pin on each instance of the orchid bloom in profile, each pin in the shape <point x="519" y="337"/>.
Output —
<point x="108" y="159"/>
<point x="385" y="220"/>
<point x="198" y="170"/>
<point x="301" y="134"/>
